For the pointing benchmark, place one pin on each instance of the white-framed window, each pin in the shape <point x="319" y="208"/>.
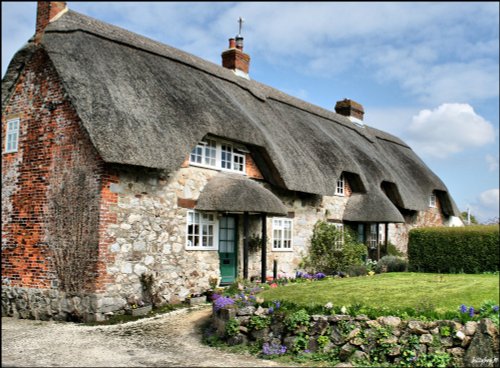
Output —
<point x="432" y="200"/>
<point x="339" y="189"/>
<point x="373" y="238"/>
<point x="12" y="136"/>
<point x="339" y="242"/>
<point x="219" y="155"/>
<point x="204" y="153"/>
<point x="202" y="231"/>
<point x="282" y="234"/>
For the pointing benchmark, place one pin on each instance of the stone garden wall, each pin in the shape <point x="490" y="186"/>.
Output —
<point x="357" y="339"/>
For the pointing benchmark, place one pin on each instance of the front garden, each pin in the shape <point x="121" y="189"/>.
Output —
<point x="325" y="321"/>
<point x="384" y="317"/>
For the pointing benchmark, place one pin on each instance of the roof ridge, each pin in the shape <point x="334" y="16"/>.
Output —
<point x="183" y="58"/>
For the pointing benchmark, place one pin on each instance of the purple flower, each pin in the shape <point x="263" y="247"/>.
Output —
<point x="273" y="349"/>
<point x="299" y="274"/>
<point x="463" y="308"/>
<point x="270" y="310"/>
<point x="319" y="276"/>
<point x="471" y="312"/>
<point x="495" y="308"/>
<point x="277" y="304"/>
<point x="307" y="351"/>
<point x="215" y="296"/>
<point x="222" y="302"/>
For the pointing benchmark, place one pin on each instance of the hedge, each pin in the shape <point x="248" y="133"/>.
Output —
<point x="470" y="249"/>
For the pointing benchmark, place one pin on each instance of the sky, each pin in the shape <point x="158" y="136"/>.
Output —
<point x="427" y="72"/>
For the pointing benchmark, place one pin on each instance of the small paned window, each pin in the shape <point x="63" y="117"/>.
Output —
<point x="432" y="200"/>
<point x="204" y="153"/>
<point x="339" y="242"/>
<point x="12" y="136"/>
<point x="223" y="156"/>
<point x="373" y="239"/>
<point x="201" y="231"/>
<point x="361" y="233"/>
<point x="282" y="234"/>
<point x="226" y="157"/>
<point x="340" y="186"/>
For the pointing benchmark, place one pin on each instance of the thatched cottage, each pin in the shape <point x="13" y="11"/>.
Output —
<point x="123" y="158"/>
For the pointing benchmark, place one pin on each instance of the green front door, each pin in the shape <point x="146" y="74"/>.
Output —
<point x="227" y="249"/>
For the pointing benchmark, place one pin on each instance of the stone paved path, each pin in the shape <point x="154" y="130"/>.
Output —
<point x="164" y="341"/>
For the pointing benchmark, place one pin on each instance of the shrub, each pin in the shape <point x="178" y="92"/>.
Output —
<point x="393" y="251"/>
<point x="296" y="319"/>
<point x="357" y="270"/>
<point x="258" y="322"/>
<point x="391" y="264"/>
<point x="232" y="327"/>
<point x="327" y="256"/>
<point x="471" y="249"/>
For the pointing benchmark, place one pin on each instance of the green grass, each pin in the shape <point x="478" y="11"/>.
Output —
<point x="439" y="292"/>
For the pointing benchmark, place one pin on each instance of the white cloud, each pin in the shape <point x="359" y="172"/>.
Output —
<point x="487" y="206"/>
<point x="449" y="129"/>
<point x="490" y="198"/>
<point x="492" y="162"/>
<point x="433" y="51"/>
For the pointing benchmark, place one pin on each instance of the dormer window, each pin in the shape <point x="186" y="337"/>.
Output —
<point x="339" y="190"/>
<point x="204" y="153"/>
<point x="432" y="200"/>
<point x="218" y="155"/>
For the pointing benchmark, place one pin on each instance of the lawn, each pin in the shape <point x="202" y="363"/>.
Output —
<point x="438" y="292"/>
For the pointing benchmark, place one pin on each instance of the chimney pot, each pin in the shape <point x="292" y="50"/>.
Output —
<point x="46" y="12"/>
<point x="239" y="42"/>
<point x="350" y="108"/>
<point x="232" y="43"/>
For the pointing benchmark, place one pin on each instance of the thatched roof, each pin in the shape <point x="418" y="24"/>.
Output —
<point x="148" y="104"/>
<point x="380" y="209"/>
<point x="237" y="193"/>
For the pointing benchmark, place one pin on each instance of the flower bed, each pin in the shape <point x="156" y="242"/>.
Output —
<point x="357" y="339"/>
<point x="335" y="334"/>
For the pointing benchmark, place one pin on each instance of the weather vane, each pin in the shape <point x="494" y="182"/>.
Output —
<point x="240" y="21"/>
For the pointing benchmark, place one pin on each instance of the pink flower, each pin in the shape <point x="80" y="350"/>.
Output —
<point x="274" y="285"/>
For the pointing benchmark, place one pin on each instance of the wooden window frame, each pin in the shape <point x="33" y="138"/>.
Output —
<point x="203" y="220"/>
<point x="278" y="243"/>
<point x="220" y="161"/>
<point x="340" y="186"/>
<point x="12" y="136"/>
<point x="432" y="201"/>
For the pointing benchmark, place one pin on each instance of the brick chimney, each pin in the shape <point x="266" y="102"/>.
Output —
<point x="234" y="58"/>
<point x="350" y="108"/>
<point x="47" y="11"/>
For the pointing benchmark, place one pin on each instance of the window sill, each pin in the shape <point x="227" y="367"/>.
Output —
<point x="201" y="248"/>
<point x="289" y="250"/>
<point x="216" y="168"/>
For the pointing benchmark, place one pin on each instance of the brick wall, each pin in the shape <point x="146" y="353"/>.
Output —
<point x="251" y="168"/>
<point x="50" y="136"/>
<point x="398" y="233"/>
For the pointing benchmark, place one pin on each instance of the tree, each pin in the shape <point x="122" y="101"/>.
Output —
<point x="472" y="218"/>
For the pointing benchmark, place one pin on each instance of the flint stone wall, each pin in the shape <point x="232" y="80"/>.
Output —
<point x="474" y="344"/>
<point x="51" y="304"/>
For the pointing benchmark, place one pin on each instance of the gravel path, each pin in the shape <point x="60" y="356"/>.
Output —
<point x="168" y="340"/>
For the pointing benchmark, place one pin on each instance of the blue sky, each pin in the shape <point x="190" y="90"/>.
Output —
<point x="426" y="72"/>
